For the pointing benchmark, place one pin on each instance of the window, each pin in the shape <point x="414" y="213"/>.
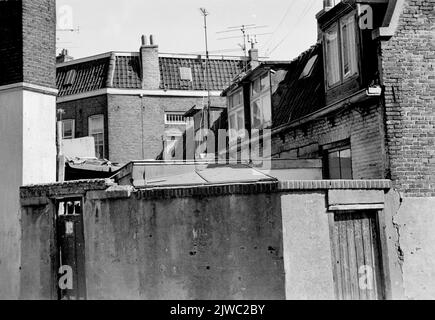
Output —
<point x="68" y="129"/>
<point x="175" y="119"/>
<point x="70" y="77"/>
<point x="185" y="73"/>
<point x="341" y="51"/>
<point x="338" y="161"/>
<point x="332" y="56"/>
<point x="309" y="67"/>
<point x="348" y="48"/>
<point x="261" y="105"/>
<point x="96" y="130"/>
<point x="236" y="114"/>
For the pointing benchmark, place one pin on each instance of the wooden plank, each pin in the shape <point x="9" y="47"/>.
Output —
<point x="366" y="232"/>
<point x="336" y="259"/>
<point x="344" y="258"/>
<point x="353" y="263"/>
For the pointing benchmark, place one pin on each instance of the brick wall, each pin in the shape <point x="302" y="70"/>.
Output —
<point x="27" y="42"/>
<point x="135" y="134"/>
<point x="39" y="40"/>
<point x="11" y="62"/>
<point x="81" y="110"/>
<point x="361" y="125"/>
<point x="407" y="68"/>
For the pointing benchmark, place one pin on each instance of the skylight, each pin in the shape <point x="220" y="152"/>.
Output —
<point x="309" y="67"/>
<point x="186" y="74"/>
<point x="70" y="77"/>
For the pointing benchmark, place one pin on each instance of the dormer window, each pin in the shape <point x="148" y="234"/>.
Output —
<point x="185" y="74"/>
<point x="341" y="51"/>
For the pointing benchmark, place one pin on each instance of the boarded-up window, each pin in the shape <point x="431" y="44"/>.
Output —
<point x="358" y="273"/>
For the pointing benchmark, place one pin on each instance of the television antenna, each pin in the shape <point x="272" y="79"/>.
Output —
<point x="245" y="29"/>
<point x="205" y="13"/>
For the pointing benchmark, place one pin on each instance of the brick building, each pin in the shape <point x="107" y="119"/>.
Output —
<point x="134" y="102"/>
<point x="362" y="98"/>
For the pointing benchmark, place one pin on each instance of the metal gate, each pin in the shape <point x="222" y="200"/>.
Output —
<point x="358" y="273"/>
<point x="70" y="245"/>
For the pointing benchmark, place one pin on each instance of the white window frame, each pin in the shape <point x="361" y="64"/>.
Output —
<point x="260" y="97"/>
<point x="333" y="76"/>
<point x="351" y="46"/>
<point x="349" y="20"/>
<point x="73" y="128"/>
<point x="185" y="73"/>
<point x="175" y="118"/>
<point x="238" y="112"/>
<point x="91" y="132"/>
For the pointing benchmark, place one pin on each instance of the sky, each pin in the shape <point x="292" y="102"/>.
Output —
<point x="286" y="27"/>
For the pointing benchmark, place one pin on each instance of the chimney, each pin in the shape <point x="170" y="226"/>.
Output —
<point x="64" y="57"/>
<point x="253" y="57"/>
<point x="328" y="4"/>
<point x="150" y="68"/>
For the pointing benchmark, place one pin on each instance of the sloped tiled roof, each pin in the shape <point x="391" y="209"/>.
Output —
<point x="87" y="76"/>
<point x="97" y="74"/>
<point x="127" y="73"/>
<point x="221" y="73"/>
<point x="297" y="96"/>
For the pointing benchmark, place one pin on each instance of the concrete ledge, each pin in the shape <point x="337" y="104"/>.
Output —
<point x="79" y="187"/>
<point x="354" y="197"/>
<point x="34" y="202"/>
<point x="114" y="192"/>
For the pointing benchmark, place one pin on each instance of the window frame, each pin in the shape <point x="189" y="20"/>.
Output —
<point x="338" y="26"/>
<point x="336" y="147"/>
<point x="238" y="111"/>
<point x="97" y="116"/>
<point x="175" y="123"/>
<point x="73" y="128"/>
<point x="259" y="96"/>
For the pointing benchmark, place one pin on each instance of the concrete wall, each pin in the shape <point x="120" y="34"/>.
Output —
<point x="212" y="248"/>
<point x="307" y="252"/>
<point x="27" y="157"/>
<point x="252" y="241"/>
<point x="416" y="224"/>
<point x="11" y="159"/>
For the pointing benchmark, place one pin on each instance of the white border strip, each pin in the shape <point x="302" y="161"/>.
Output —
<point x="29" y="87"/>
<point x="138" y="92"/>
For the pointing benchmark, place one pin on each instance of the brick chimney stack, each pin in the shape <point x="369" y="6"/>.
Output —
<point x="253" y="57"/>
<point x="64" y="57"/>
<point x="150" y="68"/>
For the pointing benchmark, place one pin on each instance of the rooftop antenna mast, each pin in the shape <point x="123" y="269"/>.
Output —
<point x="205" y="13"/>
<point x="246" y="37"/>
<point x="71" y="30"/>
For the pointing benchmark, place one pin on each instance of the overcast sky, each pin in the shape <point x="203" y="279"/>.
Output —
<point x="109" y="25"/>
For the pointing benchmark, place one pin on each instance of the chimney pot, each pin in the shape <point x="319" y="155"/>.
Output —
<point x="64" y="56"/>
<point x="254" y="58"/>
<point x="152" y="40"/>
<point x="144" y="40"/>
